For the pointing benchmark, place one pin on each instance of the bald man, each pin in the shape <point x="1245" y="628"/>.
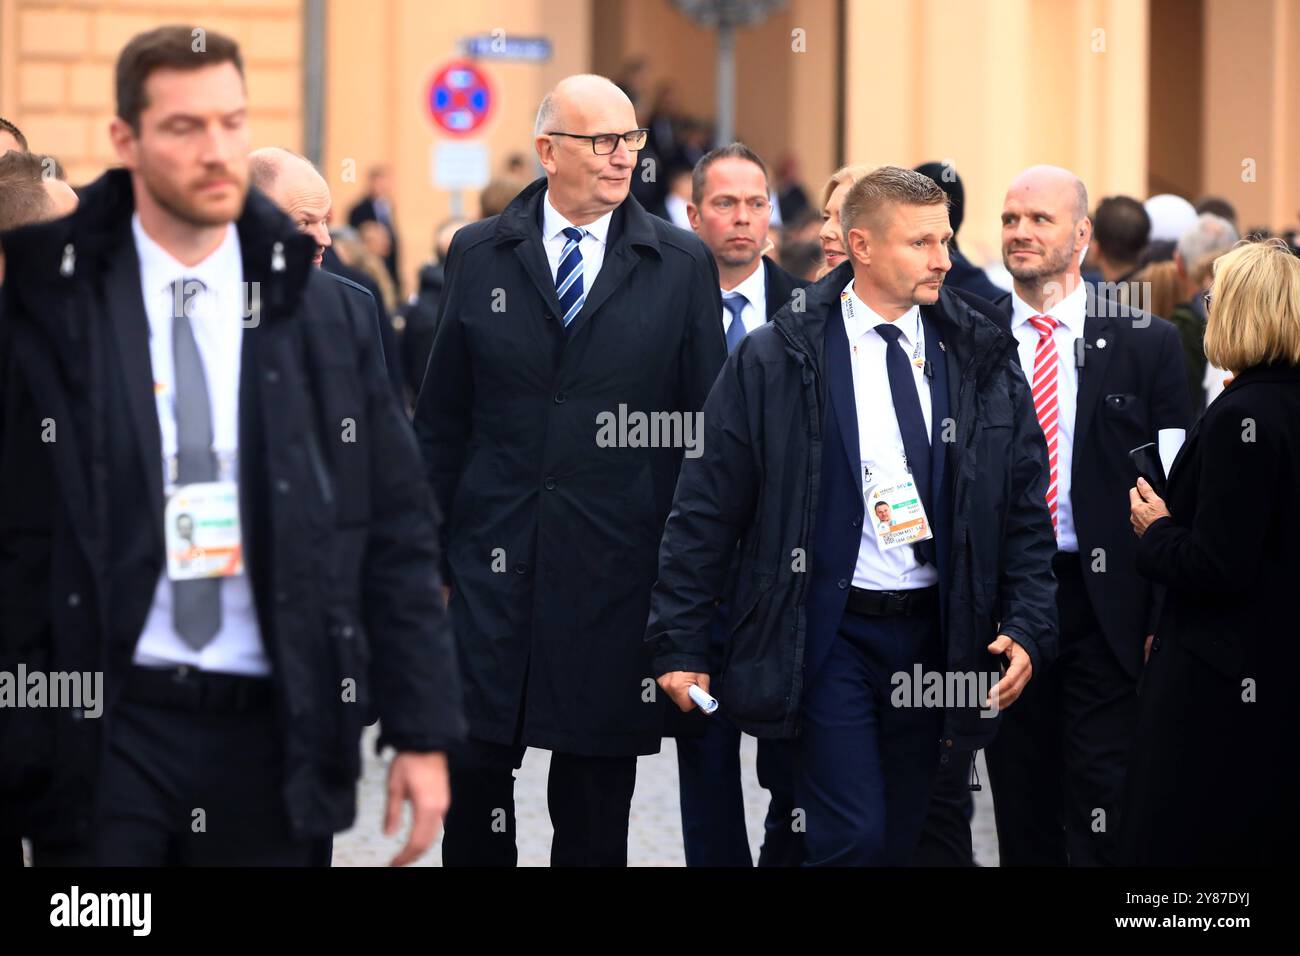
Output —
<point x="1106" y="378"/>
<point x="578" y="337"/>
<point x="297" y="187"/>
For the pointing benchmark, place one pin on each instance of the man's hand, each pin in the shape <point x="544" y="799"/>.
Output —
<point x="1146" y="648"/>
<point x="422" y="779"/>
<point x="1145" y="507"/>
<point x="1017" y="675"/>
<point x="677" y="685"/>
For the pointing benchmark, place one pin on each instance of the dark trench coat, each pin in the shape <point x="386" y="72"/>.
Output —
<point x="552" y="533"/>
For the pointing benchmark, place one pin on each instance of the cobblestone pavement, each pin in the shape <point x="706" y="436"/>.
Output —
<point x="655" y="833"/>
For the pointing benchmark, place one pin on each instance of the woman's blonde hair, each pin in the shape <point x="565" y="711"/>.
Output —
<point x="1254" y="308"/>
<point x="845" y="174"/>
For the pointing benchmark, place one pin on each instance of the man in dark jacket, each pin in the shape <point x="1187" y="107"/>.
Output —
<point x="730" y="211"/>
<point x="1106" y="378"/>
<point x="578" y="339"/>
<point x="170" y="347"/>
<point x="798" y="438"/>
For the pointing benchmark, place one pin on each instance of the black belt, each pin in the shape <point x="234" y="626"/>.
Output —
<point x="186" y="688"/>
<point x="893" y="603"/>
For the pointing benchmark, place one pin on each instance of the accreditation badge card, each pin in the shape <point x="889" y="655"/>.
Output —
<point x="201" y="526"/>
<point x="896" y="514"/>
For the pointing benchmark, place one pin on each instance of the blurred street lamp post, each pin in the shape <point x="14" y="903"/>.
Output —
<point x="725" y="16"/>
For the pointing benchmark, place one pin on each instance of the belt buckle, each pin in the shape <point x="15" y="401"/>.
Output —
<point x="897" y="603"/>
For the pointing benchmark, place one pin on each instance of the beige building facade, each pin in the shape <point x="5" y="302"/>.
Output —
<point x="1137" y="96"/>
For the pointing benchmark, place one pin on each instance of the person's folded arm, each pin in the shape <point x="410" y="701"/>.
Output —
<point x="1236" y="502"/>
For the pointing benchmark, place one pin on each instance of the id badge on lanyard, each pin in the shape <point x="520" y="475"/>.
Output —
<point x="201" y="528"/>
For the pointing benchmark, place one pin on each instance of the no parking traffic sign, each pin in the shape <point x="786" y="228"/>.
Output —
<point x="460" y="98"/>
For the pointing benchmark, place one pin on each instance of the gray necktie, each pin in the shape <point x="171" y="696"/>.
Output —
<point x="196" y="605"/>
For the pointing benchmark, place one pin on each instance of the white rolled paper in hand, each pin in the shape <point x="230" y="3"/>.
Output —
<point x="702" y="699"/>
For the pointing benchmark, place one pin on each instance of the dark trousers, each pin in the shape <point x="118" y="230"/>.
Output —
<point x="1057" y="764"/>
<point x="713" y="806"/>
<point x="589" y="799"/>
<point x="864" y="768"/>
<point x="188" y="786"/>
<point x="712" y="801"/>
<point x="946" y="837"/>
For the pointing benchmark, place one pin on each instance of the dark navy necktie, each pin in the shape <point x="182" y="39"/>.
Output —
<point x="911" y="422"/>
<point x="568" y="277"/>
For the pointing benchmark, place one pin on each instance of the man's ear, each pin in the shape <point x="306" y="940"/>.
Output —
<point x="124" y="142"/>
<point x="545" y="147"/>
<point x="859" y="246"/>
<point x="1083" y="236"/>
<point x="693" y="215"/>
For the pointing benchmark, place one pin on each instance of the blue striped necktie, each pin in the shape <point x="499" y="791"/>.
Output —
<point x="568" y="278"/>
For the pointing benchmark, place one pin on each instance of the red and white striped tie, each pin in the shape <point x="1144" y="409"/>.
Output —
<point x="1045" y="375"/>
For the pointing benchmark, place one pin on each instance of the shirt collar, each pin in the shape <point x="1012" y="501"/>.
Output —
<point x="754" y="287"/>
<point x="159" y="269"/>
<point x="1069" y="312"/>
<point x="865" y="319"/>
<point x="553" y="223"/>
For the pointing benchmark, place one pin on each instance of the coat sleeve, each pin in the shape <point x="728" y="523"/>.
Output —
<point x="443" y="407"/>
<point x="1215" y="552"/>
<point x="1171" y="407"/>
<point x="716" y="494"/>
<point x="1026" y="584"/>
<point x="414" y="673"/>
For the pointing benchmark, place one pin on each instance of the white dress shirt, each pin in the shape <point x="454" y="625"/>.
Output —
<point x="1069" y="314"/>
<point x="216" y="316"/>
<point x="592" y="245"/>
<point x="754" y="289"/>
<point x="880" y="441"/>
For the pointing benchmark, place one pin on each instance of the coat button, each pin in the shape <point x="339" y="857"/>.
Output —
<point x="272" y="376"/>
<point x="948" y="742"/>
<point x="843" y="584"/>
<point x="282" y="486"/>
<point x="74" y="599"/>
<point x="1155" y="644"/>
<point x="550" y="484"/>
<point x="943" y="758"/>
<point x="560" y="398"/>
<point x="346" y="631"/>
<point x="521" y="568"/>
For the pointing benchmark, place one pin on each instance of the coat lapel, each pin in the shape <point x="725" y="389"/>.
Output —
<point x="1098" y="346"/>
<point x="130" y="331"/>
<point x="839" y="385"/>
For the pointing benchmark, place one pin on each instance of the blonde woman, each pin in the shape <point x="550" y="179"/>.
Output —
<point x="832" y="240"/>
<point x="1214" y="779"/>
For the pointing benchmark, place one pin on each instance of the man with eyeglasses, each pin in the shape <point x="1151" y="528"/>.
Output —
<point x="578" y="337"/>
<point x="730" y="211"/>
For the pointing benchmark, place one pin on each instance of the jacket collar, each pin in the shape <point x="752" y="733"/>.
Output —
<point x="44" y="259"/>
<point x="522" y="220"/>
<point x="974" y="337"/>
<point x="1272" y="372"/>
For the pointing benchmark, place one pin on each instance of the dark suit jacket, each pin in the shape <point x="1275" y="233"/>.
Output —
<point x="1213" y="778"/>
<point x="1131" y="386"/>
<point x="779" y="285"/>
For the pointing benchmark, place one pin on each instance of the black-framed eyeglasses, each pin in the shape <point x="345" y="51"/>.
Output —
<point x="602" y="144"/>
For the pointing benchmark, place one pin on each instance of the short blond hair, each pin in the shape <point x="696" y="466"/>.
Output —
<point x="845" y="174"/>
<point x="872" y="195"/>
<point x="1254" y="309"/>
